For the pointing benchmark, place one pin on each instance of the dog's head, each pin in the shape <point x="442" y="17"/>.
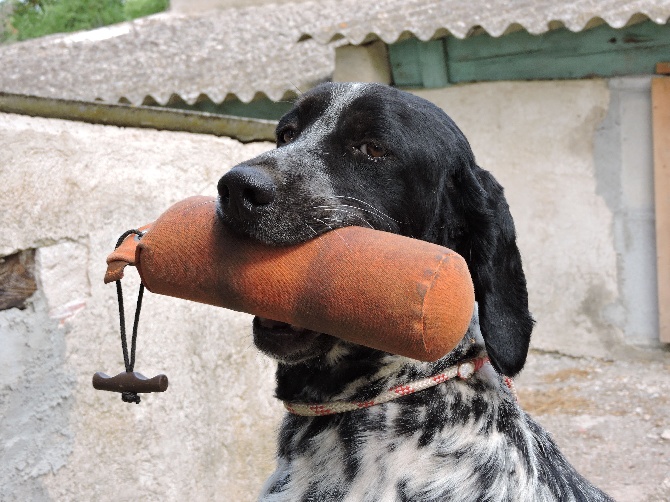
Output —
<point x="371" y="155"/>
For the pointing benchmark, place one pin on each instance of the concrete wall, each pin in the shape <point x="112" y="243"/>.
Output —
<point x="69" y="190"/>
<point x="363" y="63"/>
<point x="575" y="158"/>
<point x="625" y="180"/>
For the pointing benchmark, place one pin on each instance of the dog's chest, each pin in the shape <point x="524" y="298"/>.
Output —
<point x="464" y="441"/>
<point x="439" y="447"/>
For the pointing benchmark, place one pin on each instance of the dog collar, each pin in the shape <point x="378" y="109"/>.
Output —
<point x="463" y="371"/>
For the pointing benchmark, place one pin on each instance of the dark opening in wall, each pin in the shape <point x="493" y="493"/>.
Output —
<point x="17" y="279"/>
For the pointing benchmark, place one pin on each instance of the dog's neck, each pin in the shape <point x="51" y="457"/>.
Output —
<point x="355" y="373"/>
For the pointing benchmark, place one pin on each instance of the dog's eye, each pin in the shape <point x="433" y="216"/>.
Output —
<point x="372" y="150"/>
<point x="287" y="135"/>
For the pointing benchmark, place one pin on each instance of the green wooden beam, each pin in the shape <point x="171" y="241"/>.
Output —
<point x="559" y="54"/>
<point x="433" y="64"/>
<point x="405" y="63"/>
<point x="419" y="64"/>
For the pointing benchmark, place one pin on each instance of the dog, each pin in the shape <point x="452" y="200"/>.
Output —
<point x="372" y="155"/>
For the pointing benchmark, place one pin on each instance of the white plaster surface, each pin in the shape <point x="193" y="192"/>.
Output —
<point x="625" y="166"/>
<point x="69" y="190"/>
<point x="362" y="63"/>
<point x="537" y="139"/>
<point x="64" y="278"/>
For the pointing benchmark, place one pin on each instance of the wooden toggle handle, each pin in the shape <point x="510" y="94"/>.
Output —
<point x="130" y="382"/>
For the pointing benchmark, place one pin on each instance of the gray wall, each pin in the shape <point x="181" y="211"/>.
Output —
<point x="625" y="181"/>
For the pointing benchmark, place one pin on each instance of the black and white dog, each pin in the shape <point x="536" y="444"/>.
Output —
<point x="371" y="155"/>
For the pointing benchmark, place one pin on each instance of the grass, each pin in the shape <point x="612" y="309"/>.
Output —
<point x="25" y="19"/>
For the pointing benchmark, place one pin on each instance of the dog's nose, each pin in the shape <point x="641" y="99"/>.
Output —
<point x="244" y="189"/>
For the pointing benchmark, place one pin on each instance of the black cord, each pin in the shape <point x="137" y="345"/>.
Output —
<point x="122" y="318"/>
<point x="136" y="323"/>
<point x="129" y="362"/>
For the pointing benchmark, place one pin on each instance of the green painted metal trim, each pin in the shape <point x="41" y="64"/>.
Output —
<point x="242" y="129"/>
<point x="559" y="54"/>
<point x="264" y="109"/>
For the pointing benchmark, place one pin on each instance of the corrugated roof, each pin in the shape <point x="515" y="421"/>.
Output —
<point x="220" y="54"/>
<point x="389" y="20"/>
<point x="254" y="51"/>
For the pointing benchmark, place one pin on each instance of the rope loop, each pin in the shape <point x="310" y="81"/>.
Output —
<point x="129" y="362"/>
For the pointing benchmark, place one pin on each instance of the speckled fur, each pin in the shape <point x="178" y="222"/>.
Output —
<point x="460" y="441"/>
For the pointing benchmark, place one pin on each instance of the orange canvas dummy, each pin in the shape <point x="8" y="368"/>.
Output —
<point x="385" y="291"/>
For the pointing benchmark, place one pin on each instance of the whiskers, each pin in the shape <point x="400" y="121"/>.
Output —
<point x="372" y="208"/>
<point x="355" y="212"/>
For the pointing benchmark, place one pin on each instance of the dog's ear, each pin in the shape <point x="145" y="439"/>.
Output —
<point x="488" y="244"/>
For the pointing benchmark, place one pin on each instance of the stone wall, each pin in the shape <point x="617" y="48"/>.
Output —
<point x="68" y="191"/>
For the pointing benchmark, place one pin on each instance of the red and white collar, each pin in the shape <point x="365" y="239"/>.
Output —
<point x="462" y="370"/>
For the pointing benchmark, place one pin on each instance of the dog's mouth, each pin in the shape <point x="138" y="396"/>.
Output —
<point x="289" y="343"/>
